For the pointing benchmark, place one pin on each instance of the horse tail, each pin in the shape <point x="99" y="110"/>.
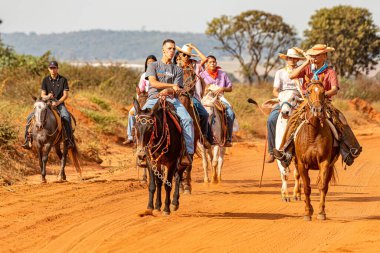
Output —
<point x="74" y="157"/>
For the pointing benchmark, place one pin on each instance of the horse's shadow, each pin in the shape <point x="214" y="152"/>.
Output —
<point x="238" y="215"/>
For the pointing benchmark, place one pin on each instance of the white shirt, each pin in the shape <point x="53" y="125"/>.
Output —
<point x="282" y="80"/>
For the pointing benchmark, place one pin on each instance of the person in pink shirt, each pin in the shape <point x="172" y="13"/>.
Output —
<point x="142" y="87"/>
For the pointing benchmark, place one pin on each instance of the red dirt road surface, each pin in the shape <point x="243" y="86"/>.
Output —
<point x="100" y="214"/>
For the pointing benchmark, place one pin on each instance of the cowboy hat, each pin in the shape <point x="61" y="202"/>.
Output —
<point x="319" y="49"/>
<point x="291" y="53"/>
<point x="186" y="50"/>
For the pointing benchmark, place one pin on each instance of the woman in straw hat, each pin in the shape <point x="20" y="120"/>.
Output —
<point x="281" y="82"/>
<point x="315" y="67"/>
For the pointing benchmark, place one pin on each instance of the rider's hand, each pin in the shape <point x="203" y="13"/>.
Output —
<point x="190" y="45"/>
<point x="54" y="104"/>
<point x="309" y="59"/>
<point x="50" y="95"/>
<point x="176" y="88"/>
<point x="219" y="91"/>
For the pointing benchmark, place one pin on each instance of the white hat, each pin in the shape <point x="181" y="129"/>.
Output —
<point x="292" y="53"/>
<point x="186" y="50"/>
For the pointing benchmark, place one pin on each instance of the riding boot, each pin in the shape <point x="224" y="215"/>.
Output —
<point x="28" y="142"/>
<point x="349" y="146"/>
<point x="69" y="136"/>
<point x="286" y="154"/>
<point x="186" y="159"/>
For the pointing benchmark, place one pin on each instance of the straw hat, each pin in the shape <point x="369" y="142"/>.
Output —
<point x="186" y="50"/>
<point x="319" y="49"/>
<point x="291" y="53"/>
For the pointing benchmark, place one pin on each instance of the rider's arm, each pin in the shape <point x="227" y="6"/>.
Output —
<point x="297" y="72"/>
<point x="276" y="91"/>
<point x="64" y="97"/>
<point x="333" y="79"/>
<point x="332" y="92"/>
<point x="158" y="85"/>
<point x="200" y="54"/>
<point x="276" y="83"/>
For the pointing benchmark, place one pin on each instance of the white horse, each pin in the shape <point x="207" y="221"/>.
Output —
<point x="288" y="100"/>
<point x="216" y="153"/>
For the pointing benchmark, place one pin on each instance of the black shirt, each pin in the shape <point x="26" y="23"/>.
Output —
<point x="55" y="86"/>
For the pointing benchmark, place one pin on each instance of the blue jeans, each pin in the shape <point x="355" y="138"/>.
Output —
<point x="185" y="118"/>
<point x="230" y="118"/>
<point x="271" y="126"/>
<point x="203" y="117"/>
<point x="131" y="123"/>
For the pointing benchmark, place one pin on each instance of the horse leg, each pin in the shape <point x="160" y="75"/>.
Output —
<point x="152" y="189"/>
<point x="307" y="190"/>
<point x="43" y="172"/>
<point x="158" y="203"/>
<point x="215" y="164"/>
<point x="297" y="186"/>
<point x="204" y="162"/>
<point x="284" y="188"/>
<point x="168" y="188"/>
<point x="220" y="163"/>
<point x="187" y="181"/>
<point x="175" y="202"/>
<point x="45" y="155"/>
<point x="145" y="177"/>
<point x="63" y="158"/>
<point x="325" y="176"/>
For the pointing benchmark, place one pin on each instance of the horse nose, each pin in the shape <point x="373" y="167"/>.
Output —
<point x="285" y="114"/>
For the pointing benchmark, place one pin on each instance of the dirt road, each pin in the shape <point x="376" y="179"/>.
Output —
<point x="101" y="213"/>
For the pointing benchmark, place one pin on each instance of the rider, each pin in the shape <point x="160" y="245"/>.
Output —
<point x="142" y="87"/>
<point x="56" y="88"/>
<point x="315" y="67"/>
<point x="281" y="82"/>
<point x="193" y="84"/>
<point x="164" y="74"/>
<point x="214" y="75"/>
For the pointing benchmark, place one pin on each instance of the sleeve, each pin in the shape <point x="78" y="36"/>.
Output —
<point x="277" y="80"/>
<point x="44" y="85"/>
<point x="142" y="83"/>
<point x="151" y="71"/>
<point x="198" y="68"/>
<point x="228" y="83"/>
<point x="303" y="73"/>
<point x="179" y="78"/>
<point x="334" y="80"/>
<point x="65" y="85"/>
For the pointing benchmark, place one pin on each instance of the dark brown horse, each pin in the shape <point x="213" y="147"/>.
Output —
<point x="185" y="99"/>
<point x="159" y="141"/>
<point x="314" y="147"/>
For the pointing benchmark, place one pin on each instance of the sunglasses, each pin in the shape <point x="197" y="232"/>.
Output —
<point x="52" y="67"/>
<point x="185" y="55"/>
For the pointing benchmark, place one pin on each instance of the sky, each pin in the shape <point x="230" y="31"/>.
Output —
<point x="48" y="16"/>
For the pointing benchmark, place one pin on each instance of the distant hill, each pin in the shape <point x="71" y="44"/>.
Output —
<point x="104" y="44"/>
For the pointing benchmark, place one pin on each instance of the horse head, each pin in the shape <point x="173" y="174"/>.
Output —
<point x="40" y="112"/>
<point x="289" y="100"/>
<point x="145" y="126"/>
<point x="315" y="96"/>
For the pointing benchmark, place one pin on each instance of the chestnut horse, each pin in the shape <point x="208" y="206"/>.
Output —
<point x="314" y="146"/>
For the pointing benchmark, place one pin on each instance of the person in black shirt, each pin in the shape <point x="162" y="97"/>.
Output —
<point x="54" y="87"/>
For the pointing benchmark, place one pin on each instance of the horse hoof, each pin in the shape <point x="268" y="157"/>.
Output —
<point x="206" y="180"/>
<point x="173" y="208"/>
<point x="321" y="216"/>
<point x="307" y="218"/>
<point x="287" y="199"/>
<point x="166" y="213"/>
<point x="186" y="192"/>
<point x="43" y="181"/>
<point x="157" y="210"/>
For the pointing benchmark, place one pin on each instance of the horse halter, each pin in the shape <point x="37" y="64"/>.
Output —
<point x="319" y="101"/>
<point x="144" y="119"/>
<point x="43" y="121"/>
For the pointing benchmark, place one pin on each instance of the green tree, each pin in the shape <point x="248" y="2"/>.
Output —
<point x="253" y="38"/>
<point x="353" y="34"/>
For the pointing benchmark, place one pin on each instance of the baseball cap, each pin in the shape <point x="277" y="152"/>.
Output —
<point x="53" y="64"/>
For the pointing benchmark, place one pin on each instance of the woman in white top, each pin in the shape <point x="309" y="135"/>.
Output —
<point x="281" y="82"/>
<point x="142" y="87"/>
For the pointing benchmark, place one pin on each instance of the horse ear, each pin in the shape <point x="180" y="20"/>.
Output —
<point x="322" y="77"/>
<point x="307" y="79"/>
<point x="136" y="105"/>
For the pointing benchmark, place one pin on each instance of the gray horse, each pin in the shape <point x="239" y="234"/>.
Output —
<point x="47" y="133"/>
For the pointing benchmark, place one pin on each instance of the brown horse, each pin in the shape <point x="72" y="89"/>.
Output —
<point x="314" y="147"/>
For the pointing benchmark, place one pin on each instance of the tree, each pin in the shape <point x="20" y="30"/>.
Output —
<point x="253" y="38"/>
<point x="353" y="34"/>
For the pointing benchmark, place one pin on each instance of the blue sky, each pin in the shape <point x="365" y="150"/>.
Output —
<point x="47" y="16"/>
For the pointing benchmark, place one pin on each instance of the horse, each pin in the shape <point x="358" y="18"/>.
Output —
<point x="288" y="101"/>
<point x="314" y="146"/>
<point x="216" y="154"/>
<point x="159" y="141"/>
<point x="47" y="133"/>
<point x="186" y="101"/>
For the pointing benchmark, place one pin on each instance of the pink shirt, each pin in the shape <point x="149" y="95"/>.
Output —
<point x="330" y="78"/>
<point x="143" y="84"/>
